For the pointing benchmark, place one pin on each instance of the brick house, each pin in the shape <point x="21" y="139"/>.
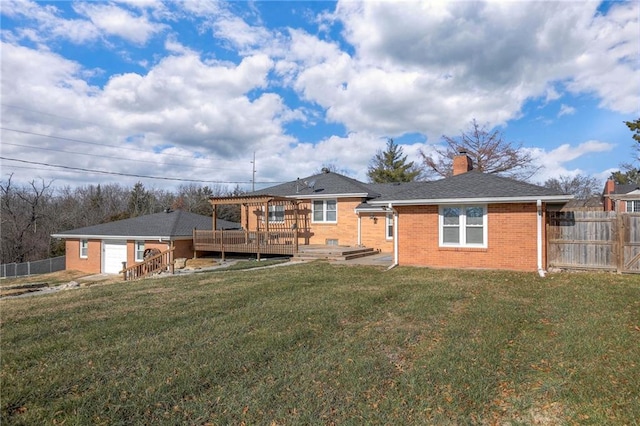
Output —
<point x="468" y="220"/>
<point x="621" y="198"/>
<point x="103" y="248"/>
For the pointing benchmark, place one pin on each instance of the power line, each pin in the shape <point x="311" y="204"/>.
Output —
<point x="108" y="156"/>
<point x="100" y="144"/>
<point x="55" y="115"/>
<point x="128" y="174"/>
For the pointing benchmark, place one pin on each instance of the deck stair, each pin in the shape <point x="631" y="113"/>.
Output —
<point x="332" y="253"/>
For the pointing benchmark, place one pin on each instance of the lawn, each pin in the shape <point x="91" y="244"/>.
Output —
<point x="325" y="344"/>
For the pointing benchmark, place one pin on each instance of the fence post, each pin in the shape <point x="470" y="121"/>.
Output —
<point x="619" y="242"/>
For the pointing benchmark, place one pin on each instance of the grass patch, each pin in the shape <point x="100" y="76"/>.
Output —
<point x="319" y="343"/>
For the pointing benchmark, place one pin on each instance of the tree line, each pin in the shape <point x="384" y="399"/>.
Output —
<point x="32" y="212"/>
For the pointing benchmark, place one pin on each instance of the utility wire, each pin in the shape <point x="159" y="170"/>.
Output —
<point x="100" y="144"/>
<point x="129" y="174"/>
<point x="109" y="156"/>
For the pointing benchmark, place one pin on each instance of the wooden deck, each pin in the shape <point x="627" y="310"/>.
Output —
<point x="258" y="242"/>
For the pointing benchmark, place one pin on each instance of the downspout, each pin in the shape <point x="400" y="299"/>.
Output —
<point x="359" y="229"/>
<point x="539" y="235"/>
<point x="395" y="237"/>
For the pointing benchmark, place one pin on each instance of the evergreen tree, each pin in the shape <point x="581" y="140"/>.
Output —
<point x="391" y="166"/>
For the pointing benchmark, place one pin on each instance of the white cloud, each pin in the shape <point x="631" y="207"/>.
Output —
<point x="48" y="23"/>
<point x="566" y="110"/>
<point x="114" y="20"/>
<point x="554" y="162"/>
<point x="182" y="102"/>
<point x="431" y="67"/>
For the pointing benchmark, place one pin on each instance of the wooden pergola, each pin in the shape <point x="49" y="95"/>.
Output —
<point x="269" y="226"/>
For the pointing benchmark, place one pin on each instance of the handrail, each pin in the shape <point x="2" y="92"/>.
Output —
<point x="156" y="263"/>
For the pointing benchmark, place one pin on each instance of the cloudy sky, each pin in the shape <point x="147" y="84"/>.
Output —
<point x="167" y="93"/>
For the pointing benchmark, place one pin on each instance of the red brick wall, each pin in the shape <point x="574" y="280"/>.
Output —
<point x="512" y="239"/>
<point x="92" y="264"/>
<point x="373" y="233"/>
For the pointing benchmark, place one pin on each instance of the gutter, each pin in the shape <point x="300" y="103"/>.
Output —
<point x="483" y="200"/>
<point x="395" y="236"/>
<point x="541" y="271"/>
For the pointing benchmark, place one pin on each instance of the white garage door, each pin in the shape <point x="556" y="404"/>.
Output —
<point x="114" y="253"/>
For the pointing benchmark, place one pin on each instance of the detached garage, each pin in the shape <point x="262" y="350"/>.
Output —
<point x="114" y="253"/>
<point x="103" y="248"/>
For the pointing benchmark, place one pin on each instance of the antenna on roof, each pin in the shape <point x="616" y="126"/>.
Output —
<point x="312" y="185"/>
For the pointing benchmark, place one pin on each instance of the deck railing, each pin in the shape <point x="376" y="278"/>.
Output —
<point x="159" y="262"/>
<point x="259" y="242"/>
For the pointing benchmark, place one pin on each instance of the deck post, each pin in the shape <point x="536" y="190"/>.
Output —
<point x="221" y="243"/>
<point x="296" y="226"/>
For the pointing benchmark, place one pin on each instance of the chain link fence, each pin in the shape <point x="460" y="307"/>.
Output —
<point x="11" y="270"/>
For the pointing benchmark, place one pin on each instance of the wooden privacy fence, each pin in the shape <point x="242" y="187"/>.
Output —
<point x="594" y="240"/>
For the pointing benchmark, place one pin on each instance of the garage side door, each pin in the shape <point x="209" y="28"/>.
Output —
<point x="114" y="253"/>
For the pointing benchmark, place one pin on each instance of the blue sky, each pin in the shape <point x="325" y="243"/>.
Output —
<point x="169" y="93"/>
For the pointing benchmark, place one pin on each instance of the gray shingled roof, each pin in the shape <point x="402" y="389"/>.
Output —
<point x="473" y="184"/>
<point x="470" y="185"/>
<point x="176" y="223"/>
<point x="324" y="183"/>
<point x="625" y="189"/>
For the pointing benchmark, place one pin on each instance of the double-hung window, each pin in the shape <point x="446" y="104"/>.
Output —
<point x="389" y="227"/>
<point x="463" y="226"/>
<point x="276" y="213"/>
<point x="139" y="251"/>
<point x="325" y="211"/>
<point x="84" y="249"/>
<point x="633" y="206"/>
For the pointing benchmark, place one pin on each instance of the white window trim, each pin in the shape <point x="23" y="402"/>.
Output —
<point x="135" y="248"/>
<point x="630" y="206"/>
<point x="324" y="211"/>
<point x="84" y="244"/>
<point x="388" y="224"/>
<point x="462" y="226"/>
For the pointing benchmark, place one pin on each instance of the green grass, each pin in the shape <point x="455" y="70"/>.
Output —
<point x="322" y="344"/>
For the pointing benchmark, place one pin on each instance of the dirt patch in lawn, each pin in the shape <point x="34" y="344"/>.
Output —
<point x="51" y="279"/>
<point x="199" y="263"/>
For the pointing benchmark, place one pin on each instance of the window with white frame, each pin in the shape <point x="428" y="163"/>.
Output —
<point x="84" y="249"/>
<point x="463" y="226"/>
<point x="633" y="206"/>
<point x="276" y="213"/>
<point x="324" y="211"/>
<point x="139" y="251"/>
<point x="389" y="227"/>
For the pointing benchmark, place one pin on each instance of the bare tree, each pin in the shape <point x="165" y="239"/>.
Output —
<point x="488" y="150"/>
<point x="26" y="220"/>
<point x="581" y="186"/>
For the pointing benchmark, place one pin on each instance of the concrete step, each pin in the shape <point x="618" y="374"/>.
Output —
<point x="333" y="254"/>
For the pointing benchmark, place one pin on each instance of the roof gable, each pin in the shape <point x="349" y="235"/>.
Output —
<point x="329" y="183"/>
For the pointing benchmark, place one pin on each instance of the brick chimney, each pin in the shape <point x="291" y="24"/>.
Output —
<point x="462" y="163"/>
<point x="609" y="188"/>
